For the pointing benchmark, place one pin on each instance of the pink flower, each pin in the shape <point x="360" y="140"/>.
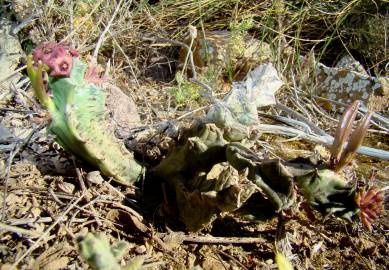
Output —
<point x="57" y="57"/>
<point x="43" y="52"/>
<point x="61" y="66"/>
<point x="370" y="205"/>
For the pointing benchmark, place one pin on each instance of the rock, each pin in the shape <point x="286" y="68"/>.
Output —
<point x="227" y="52"/>
<point x="122" y="110"/>
<point x="10" y="55"/>
<point x="347" y="82"/>
<point x="23" y="9"/>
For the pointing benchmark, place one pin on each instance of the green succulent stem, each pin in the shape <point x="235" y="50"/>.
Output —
<point x="77" y="111"/>
<point x="36" y="78"/>
<point x="328" y="192"/>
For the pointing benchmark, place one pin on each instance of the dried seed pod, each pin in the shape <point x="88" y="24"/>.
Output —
<point x="355" y="141"/>
<point x="343" y="131"/>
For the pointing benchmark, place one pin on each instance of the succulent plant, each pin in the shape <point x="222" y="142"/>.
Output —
<point x="330" y="193"/>
<point x="209" y="175"/>
<point x="66" y="87"/>
<point x="189" y="169"/>
<point x="57" y="57"/>
<point x="97" y="252"/>
<point x="343" y="150"/>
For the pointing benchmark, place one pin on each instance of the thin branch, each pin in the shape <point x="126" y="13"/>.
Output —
<point x="24" y="221"/>
<point x="17" y="111"/>
<point x="14" y="229"/>
<point x="82" y="209"/>
<point x="377" y="117"/>
<point x="301" y="117"/>
<point x="85" y="19"/>
<point x="223" y="240"/>
<point x="231" y="258"/>
<point x="84" y="190"/>
<point x="326" y="140"/>
<point x="185" y="115"/>
<point x="102" y="36"/>
<point x="289" y="121"/>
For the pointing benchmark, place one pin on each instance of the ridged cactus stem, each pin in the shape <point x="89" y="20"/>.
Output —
<point x="77" y="107"/>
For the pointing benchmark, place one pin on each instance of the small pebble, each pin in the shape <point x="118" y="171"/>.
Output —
<point x="94" y="177"/>
<point x="140" y="250"/>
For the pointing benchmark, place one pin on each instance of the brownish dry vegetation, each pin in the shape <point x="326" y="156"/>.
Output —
<point x="47" y="200"/>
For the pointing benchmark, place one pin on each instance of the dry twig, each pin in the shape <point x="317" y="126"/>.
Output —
<point x="102" y="36"/>
<point x="223" y="240"/>
<point x="14" y="229"/>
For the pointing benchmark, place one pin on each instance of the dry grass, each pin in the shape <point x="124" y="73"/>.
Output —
<point x="56" y="207"/>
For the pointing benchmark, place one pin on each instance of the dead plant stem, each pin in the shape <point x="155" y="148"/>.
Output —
<point x="377" y="117"/>
<point x="301" y="118"/>
<point x="231" y="258"/>
<point x="82" y="208"/>
<point x="85" y="19"/>
<point x="102" y="36"/>
<point x="18" y="230"/>
<point x="223" y="240"/>
<point x="326" y="140"/>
